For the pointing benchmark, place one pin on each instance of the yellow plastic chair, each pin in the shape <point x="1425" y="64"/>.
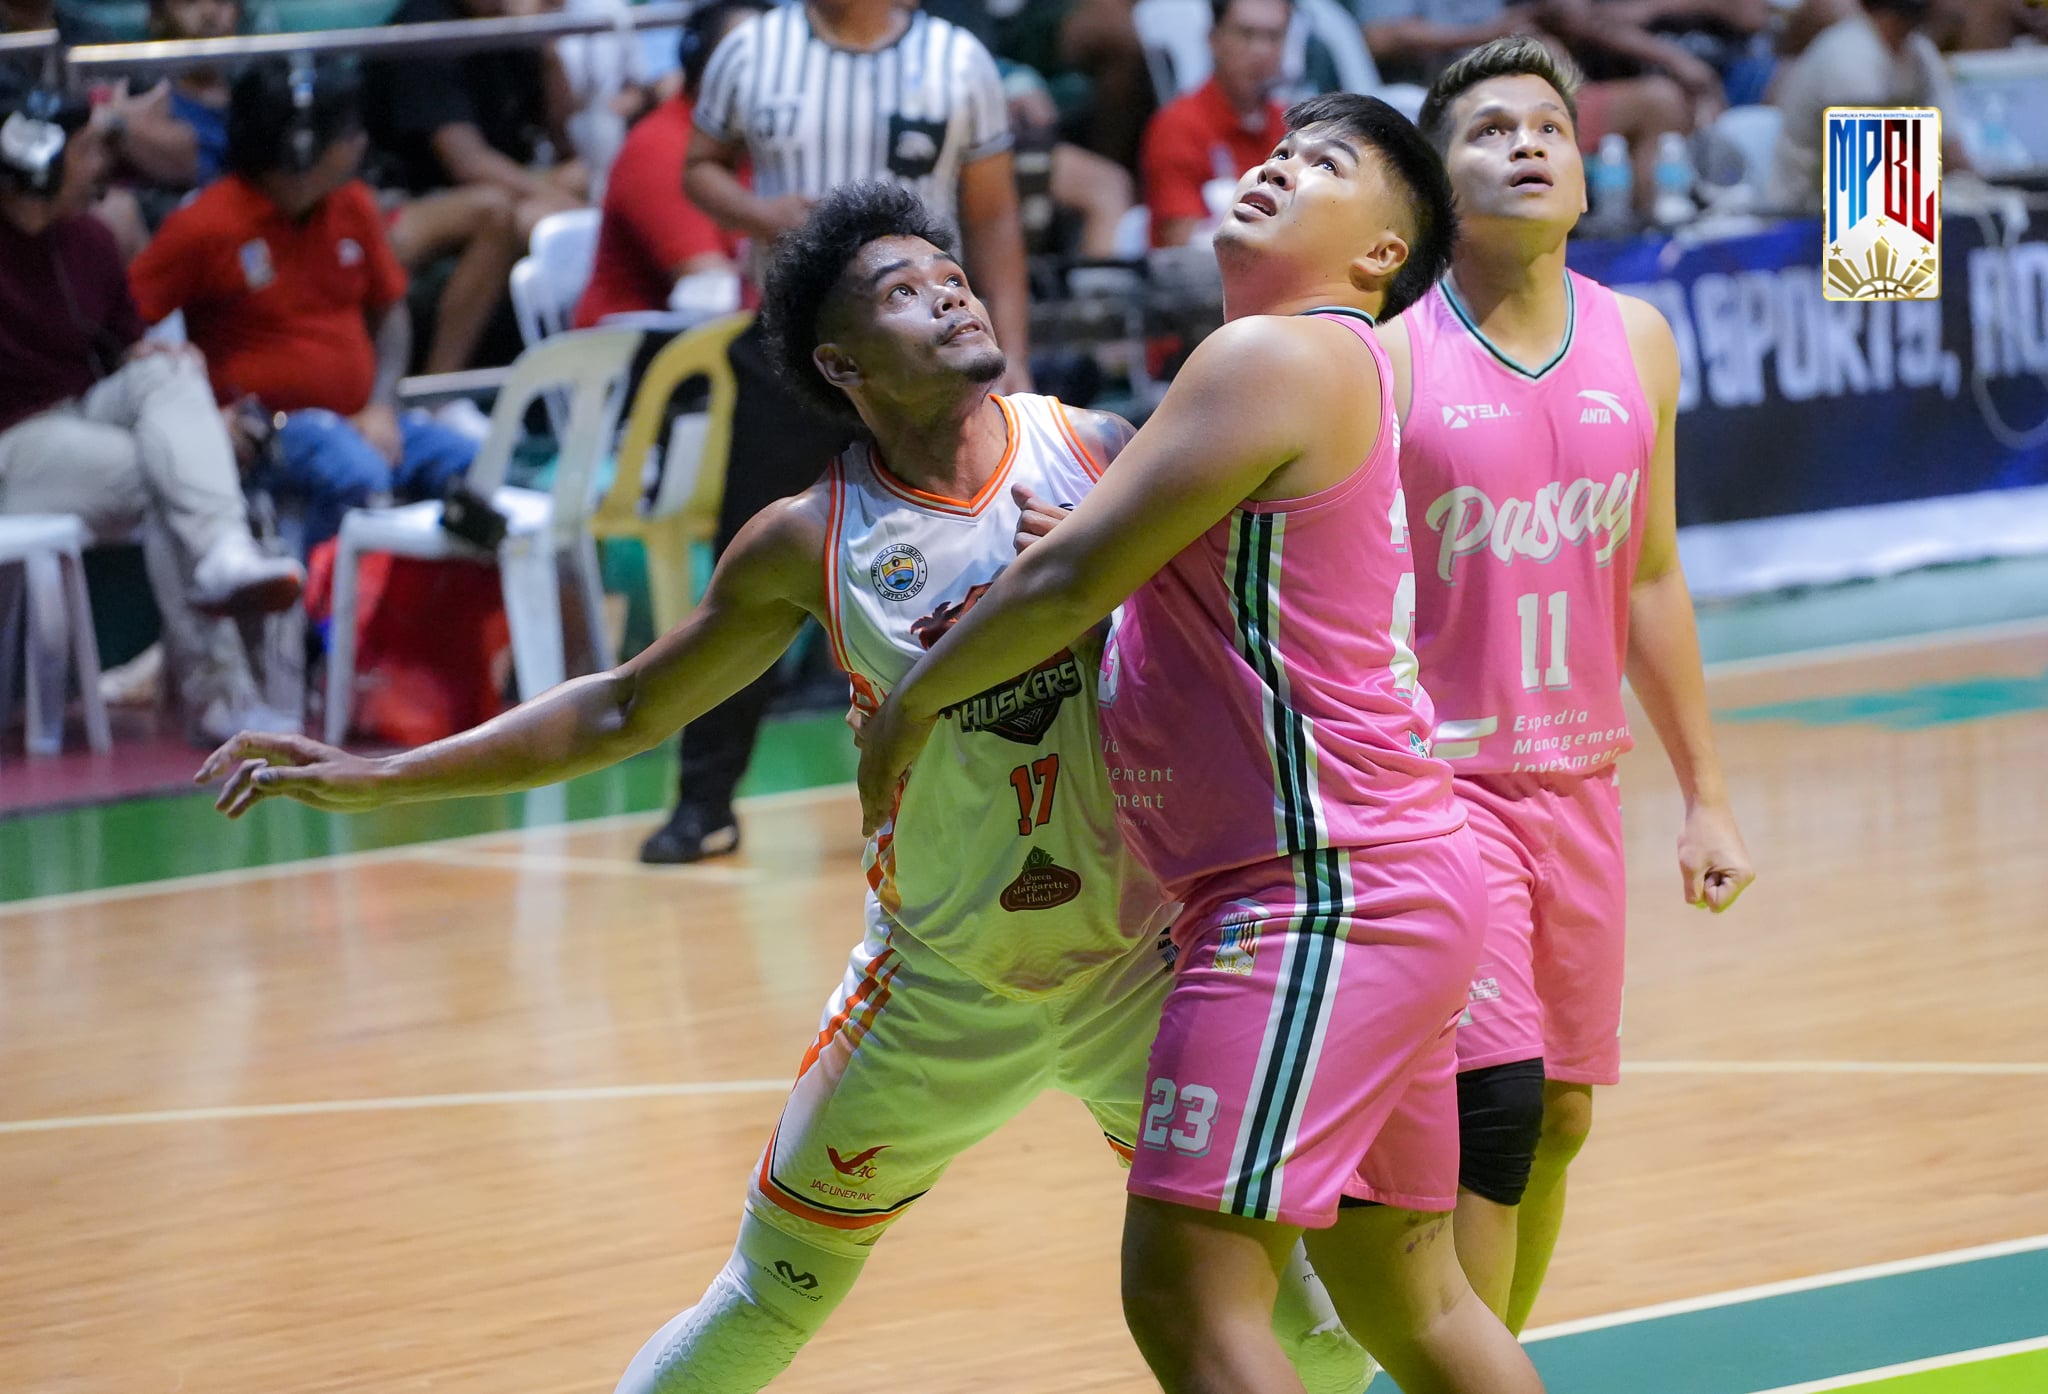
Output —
<point x="684" y="510"/>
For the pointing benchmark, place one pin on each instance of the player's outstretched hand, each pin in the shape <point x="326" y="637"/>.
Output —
<point x="1712" y="858"/>
<point x="1037" y="518"/>
<point x="889" y="741"/>
<point x="259" y="766"/>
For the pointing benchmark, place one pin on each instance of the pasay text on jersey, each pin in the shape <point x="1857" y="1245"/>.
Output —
<point x="1022" y="709"/>
<point x="1585" y="511"/>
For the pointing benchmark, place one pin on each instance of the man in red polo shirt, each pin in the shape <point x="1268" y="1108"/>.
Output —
<point x="1224" y="127"/>
<point x="290" y="288"/>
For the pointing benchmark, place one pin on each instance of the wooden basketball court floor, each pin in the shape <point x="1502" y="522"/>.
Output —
<point x="477" y="1114"/>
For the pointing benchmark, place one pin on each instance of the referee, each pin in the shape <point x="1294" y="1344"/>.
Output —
<point x="812" y="96"/>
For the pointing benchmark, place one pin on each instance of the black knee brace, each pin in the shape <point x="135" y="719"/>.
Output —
<point x="1500" y="1119"/>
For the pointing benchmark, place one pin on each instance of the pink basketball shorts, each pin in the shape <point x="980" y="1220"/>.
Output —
<point x="1549" y="981"/>
<point x="1306" y="1051"/>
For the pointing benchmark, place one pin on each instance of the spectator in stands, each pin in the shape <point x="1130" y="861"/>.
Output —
<point x="98" y="422"/>
<point x="1057" y="176"/>
<point x="923" y="107"/>
<point x="1094" y="40"/>
<point x="1730" y="36"/>
<point x="652" y="236"/>
<point x="1964" y="26"/>
<point x="184" y="144"/>
<point x="1224" y="127"/>
<point x="290" y="288"/>
<point x="117" y="208"/>
<point x="1649" y="85"/>
<point x="25" y="16"/>
<point x="494" y="119"/>
<point x="1876" y="56"/>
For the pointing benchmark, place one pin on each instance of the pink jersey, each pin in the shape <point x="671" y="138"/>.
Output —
<point x="1525" y="499"/>
<point x="1259" y="696"/>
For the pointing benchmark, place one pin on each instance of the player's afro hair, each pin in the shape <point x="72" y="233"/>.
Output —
<point x="808" y="266"/>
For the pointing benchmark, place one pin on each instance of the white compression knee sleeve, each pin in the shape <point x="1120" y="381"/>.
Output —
<point x="1322" y="1352"/>
<point x="770" y="1298"/>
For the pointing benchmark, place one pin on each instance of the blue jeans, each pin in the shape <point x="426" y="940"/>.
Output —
<point x="324" y="461"/>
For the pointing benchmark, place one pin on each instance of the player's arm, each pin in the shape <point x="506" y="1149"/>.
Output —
<point x="1219" y="437"/>
<point x="769" y="579"/>
<point x="1664" y="646"/>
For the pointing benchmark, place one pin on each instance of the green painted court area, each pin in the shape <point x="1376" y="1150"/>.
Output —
<point x="152" y="839"/>
<point x="2025" y="1373"/>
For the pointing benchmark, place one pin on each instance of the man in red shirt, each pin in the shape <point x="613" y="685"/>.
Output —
<point x="290" y="287"/>
<point x="652" y="236"/>
<point x="1223" y="128"/>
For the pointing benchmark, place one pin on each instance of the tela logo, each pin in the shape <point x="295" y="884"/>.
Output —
<point x="1609" y="408"/>
<point x="1458" y="418"/>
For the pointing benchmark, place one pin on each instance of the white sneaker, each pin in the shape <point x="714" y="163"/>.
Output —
<point x="137" y="683"/>
<point x="223" y="718"/>
<point x="238" y="578"/>
<point x="466" y="417"/>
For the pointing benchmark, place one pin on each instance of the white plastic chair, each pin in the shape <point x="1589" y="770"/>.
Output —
<point x="590" y="367"/>
<point x="1175" y="36"/>
<point x="549" y="280"/>
<point x="1338" y="30"/>
<point x="50" y="549"/>
<point x="1751" y="134"/>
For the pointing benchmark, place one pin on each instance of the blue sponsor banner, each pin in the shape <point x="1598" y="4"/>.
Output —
<point x="1792" y="403"/>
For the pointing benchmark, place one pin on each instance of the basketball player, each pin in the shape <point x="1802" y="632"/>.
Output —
<point x="1538" y="411"/>
<point x="1004" y="955"/>
<point x="1270" y="748"/>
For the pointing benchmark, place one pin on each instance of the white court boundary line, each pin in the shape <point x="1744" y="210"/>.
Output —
<point x="344" y="861"/>
<point x="316" y="1107"/>
<point x="700" y="873"/>
<point x="1982" y="1355"/>
<point x="1737" y="1296"/>
<point x="1833" y="1067"/>
<point x="694" y="1088"/>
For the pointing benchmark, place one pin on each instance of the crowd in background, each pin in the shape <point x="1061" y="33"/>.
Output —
<point x="323" y="230"/>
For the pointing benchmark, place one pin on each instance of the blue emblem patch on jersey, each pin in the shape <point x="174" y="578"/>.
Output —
<point x="899" y="572"/>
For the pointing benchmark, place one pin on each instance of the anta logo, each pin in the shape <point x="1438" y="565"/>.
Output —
<point x="1608" y="407"/>
<point x="1468" y="521"/>
<point x="1022" y="709"/>
<point x="1458" y="418"/>
<point x="861" y="1164"/>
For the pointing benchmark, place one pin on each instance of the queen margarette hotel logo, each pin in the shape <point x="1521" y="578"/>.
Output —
<point x="1882" y="193"/>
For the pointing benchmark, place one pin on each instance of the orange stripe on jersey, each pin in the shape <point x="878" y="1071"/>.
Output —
<point x="1122" y="1149"/>
<point x="1083" y="456"/>
<point x="874" y="981"/>
<point x="968" y="508"/>
<point x="784" y="1199"/>
<point x="854" y="1021"/>
<point x="837" y="478"/>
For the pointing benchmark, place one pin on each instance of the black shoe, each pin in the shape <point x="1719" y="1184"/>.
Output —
<point x="691" y="834"/>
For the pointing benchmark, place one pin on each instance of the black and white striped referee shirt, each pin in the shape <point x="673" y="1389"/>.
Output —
<point x="813" y="115"/>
